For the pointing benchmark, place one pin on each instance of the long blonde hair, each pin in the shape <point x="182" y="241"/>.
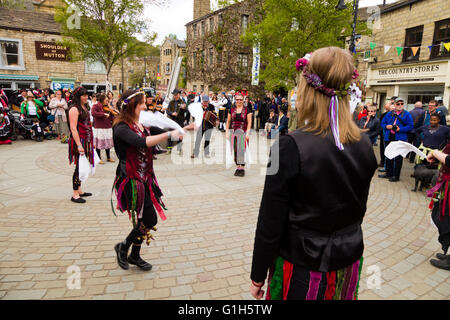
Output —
<point x="335" y="67"/>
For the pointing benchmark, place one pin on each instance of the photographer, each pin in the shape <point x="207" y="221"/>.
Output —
<point x="396" y="125"/>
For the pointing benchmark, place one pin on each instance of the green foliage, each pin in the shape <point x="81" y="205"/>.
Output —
<point x="292" y="28"/>
<point x="105" y="31"/>
<point x="16" y="4"/>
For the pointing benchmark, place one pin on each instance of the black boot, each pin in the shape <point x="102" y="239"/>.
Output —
<point x="441" y="256"/>
<point x="135" y="258"/>
<point x="441" y="264"/>
<point x="122" y="255"/>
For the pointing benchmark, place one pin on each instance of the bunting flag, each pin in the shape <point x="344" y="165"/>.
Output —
<point x="430" y="48"/>
<point x="386" y="49"/>
<point x="372" y="45"/>
<point x="447" y="46"/>
<point x="399" y="50"/>
<point x="414" y="50"/>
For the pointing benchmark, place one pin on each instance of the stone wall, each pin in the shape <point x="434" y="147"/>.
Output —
<point x="201" y="8"/>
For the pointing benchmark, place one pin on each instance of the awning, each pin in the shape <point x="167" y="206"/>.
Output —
<point x="60" y="79"/>
<point x="18" y="77"/>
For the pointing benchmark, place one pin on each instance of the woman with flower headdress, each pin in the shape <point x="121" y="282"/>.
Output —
<point x="81" y="139"/>
<point x="136" y="187"/>
<point x="308" y="241"/>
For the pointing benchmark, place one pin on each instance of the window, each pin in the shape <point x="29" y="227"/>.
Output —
<point x="441" y="36"/>
<point x="211" y="24"/>
<point x="220" y="20"/>
<point x="219" y="58"/>
<point x="211" y="56"/>
<point x="194" y="60"/>
<point x="203" y="28"/>
<point x="95" y="67"/>
<point x="194" y="28"/>
<point x="11" y="54"/>
<point x="203" y="58"/>
<point x="243" y="64"/>
<point x="413" y="39"/>
<point x="167" y="68"/>
<point x="202" y="88"/>
<point x="244" y="23"/>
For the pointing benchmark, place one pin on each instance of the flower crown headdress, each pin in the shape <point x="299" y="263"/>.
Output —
<point x="316" y="82"/>
<point x="128" y="99"/>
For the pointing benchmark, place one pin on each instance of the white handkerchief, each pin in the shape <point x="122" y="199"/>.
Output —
<point x="157" y="119"/>
<point x="401" y="148"/>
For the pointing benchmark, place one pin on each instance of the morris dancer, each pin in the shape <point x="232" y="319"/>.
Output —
<point x="5" y="122"/>
<point x="309" y="226"/>
<point x="136" y="186"/>
<point x="440" y="205"/>
<point x="239" y="121"/>
<point x="81" y="141"/>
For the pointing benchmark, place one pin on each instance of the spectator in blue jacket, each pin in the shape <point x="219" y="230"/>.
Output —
<point x="396" y="125"/>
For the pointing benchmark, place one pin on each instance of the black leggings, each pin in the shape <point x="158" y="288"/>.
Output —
<point x="76" y="182"/>
<point x="107" y="153"/>
<point x="149" y="219"/>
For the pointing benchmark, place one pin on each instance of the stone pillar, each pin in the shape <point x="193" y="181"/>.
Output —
<point x="201" y="8"/>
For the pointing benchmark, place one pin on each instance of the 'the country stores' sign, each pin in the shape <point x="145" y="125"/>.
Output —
<point x="415" y="70"/>
<point x="51" y="51"/>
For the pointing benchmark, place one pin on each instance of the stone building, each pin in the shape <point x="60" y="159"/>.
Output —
<point x="30" y="57"/>
<point x="170" y="49"/>
<point x="216" y="58"/>
<point x="421" y="71"/>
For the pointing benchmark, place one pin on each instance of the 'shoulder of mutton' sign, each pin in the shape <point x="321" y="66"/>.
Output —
<point x="51" y="51"/>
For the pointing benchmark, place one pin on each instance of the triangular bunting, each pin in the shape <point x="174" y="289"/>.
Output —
<point x="447" y="46"/>
<point x="372" y="45"/>
<point x="430" y="48"/>
<point x="414" y="50"/>
<point x="386" y="49"/>
<point x="399" y="50"/>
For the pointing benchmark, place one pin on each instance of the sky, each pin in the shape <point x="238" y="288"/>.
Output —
<point x="173" y="17"/>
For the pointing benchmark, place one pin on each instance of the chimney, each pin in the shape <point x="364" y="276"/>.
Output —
<point x="201" y="8"/>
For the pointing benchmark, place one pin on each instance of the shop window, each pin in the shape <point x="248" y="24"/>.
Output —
<point x="441" y="36"/>
<point x="11" y="54"/>
<point x="413" y="39"/>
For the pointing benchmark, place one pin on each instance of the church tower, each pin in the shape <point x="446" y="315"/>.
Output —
<point x="201" y="8"/>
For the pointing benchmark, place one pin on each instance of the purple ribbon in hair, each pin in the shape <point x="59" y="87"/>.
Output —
<point x="333" y="114"/>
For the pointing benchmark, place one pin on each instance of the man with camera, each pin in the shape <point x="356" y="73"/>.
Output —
<point x="396" y="125"/>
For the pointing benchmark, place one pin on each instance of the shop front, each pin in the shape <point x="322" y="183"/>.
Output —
<point x="11" y="82"/>
<point x="414" y="82"/>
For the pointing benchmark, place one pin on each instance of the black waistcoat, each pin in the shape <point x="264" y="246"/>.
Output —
<point x="328" y="202"/>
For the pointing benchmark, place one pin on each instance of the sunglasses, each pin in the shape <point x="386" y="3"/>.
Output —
<point x="239" y="99"/>
<point x="399" y="104"/>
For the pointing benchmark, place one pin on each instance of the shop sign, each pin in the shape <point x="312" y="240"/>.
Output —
<point x="51" y="51"/>
<point x="62" y="85"/>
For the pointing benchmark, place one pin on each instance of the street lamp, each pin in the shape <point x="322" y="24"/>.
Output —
<point x="341" y="6"/>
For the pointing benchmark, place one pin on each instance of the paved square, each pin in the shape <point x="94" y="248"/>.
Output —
<point x="202" y="251"/>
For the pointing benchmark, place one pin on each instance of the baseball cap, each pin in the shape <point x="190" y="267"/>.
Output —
<point x="399" y="99"/>
<point x="205" y="98"/>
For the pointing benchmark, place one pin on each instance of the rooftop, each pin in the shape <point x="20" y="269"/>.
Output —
<point x="31" y="21"/>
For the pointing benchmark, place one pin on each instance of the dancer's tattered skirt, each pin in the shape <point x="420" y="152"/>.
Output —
<point x="290" y="282"/>
<point x="141" y="200"/>
<point x="440" y="206"/>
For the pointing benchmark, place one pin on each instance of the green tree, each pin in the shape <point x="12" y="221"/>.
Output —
<point x="104" y="30"/>
<point x="292" y="28"/>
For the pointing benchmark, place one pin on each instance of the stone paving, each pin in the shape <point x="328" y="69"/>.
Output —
<point x="202" y="251"/>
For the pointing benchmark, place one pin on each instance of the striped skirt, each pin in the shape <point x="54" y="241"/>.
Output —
<point x="290" y="282"/>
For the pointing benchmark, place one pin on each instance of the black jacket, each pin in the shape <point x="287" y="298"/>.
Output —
<point x="373" y="126"/>
<point x="312" y="206"/>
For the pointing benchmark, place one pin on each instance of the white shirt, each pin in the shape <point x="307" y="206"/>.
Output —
<point x="32" y="110"/>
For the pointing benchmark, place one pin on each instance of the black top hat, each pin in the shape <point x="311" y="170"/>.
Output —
<point x="176" y="91"/>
